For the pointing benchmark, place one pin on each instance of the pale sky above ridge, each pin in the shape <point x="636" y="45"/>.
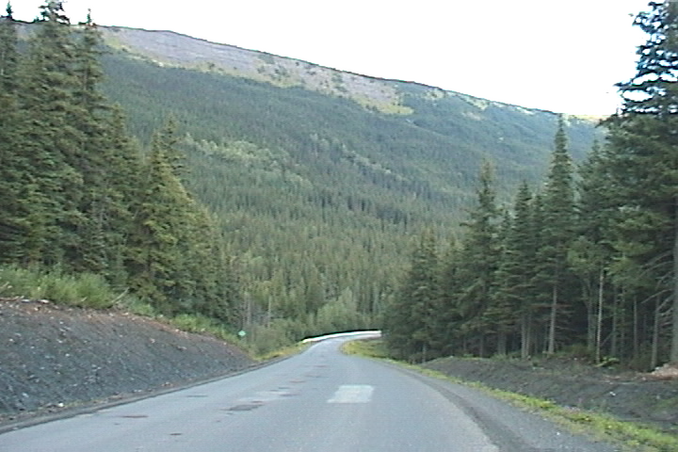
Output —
<point x="563" y="56"/>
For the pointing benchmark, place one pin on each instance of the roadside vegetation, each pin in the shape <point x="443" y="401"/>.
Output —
<point x="632" y="436"/>
<point x="586" y="262"/>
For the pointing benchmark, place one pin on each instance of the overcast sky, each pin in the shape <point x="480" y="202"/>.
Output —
<point x="564" y="56"/>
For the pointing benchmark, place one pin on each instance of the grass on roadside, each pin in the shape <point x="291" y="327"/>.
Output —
<point x="632" y="436"/>
<point x="193" y="323"/>
<point x="283" y="352"/>
<point x="372" y="348"/>
<point x="85" y="290"/>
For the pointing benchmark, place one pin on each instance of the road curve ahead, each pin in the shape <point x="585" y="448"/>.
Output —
<point x="318" y="401"/>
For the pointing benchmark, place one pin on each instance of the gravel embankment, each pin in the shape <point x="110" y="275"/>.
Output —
<point x="626" y="395"/>
<point x="53" y="357"/>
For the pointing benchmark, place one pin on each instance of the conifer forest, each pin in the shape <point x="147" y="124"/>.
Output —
<point x="285" y="213"/>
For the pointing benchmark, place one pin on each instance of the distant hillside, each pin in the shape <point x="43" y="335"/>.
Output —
<point x="397" y="120"/>
<point x="320" y="177"/>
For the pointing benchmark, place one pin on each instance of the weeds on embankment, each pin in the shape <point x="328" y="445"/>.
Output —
<point x="632" y="436"/>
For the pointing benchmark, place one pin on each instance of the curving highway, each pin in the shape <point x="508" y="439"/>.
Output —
<point x="317" y="401"/>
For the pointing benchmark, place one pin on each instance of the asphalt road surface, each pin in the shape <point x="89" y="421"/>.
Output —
<point x="318" y="401"/>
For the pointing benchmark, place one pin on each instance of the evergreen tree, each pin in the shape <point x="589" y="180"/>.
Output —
<point x="644" y="161"/>
<point x="592" y="251"/>
<point x="479" y="259"/>
<point x="13" y="165"/>
<point x="9" y="55"/>
<point x="95" y="158"/>
<point x="116" y="199"/>
<point x="449" y="318"/>
<point x="502" y="308"/>
<point x="156" y="259"/>
<point x="410" y="326"/>
<point x="50" y="138"/>
<point x="516" y="273"/>
<point x="558" y="211"/>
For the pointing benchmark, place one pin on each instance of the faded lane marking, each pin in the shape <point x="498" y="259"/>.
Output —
<point x="352" y="394"/>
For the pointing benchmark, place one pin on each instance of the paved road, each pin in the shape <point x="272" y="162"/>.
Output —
<point x="318" y="401"/>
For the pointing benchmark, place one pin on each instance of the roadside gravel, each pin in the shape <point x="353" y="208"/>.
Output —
<point x="54" y="357"/>
<point x="630" y="396"/>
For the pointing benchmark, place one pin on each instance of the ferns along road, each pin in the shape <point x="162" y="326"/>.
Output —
<point x="319" y="400"/>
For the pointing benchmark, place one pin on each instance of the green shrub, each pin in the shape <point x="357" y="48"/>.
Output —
<point x="193" y="323"/>
<point x="85" y="290"/>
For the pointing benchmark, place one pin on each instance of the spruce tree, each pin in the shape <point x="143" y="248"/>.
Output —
<point x="516" y="272"/>
<point x="13" y="164"/>
<point x="501" y="311"/>
<point x="449" y="318"/>
<point x="50" y="138"/>
<point x="558" y="211"/>
<point x="592" y="252"/>
<point x="409" y="325"/>
<point x="479" y="258"/>
<point x="155" y="259"/>
<point x="644" y="161"/>
<point x="94" y="158"/>
<point x="9" y="55"/>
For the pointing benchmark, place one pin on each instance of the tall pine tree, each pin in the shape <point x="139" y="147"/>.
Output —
<point x="410" y="324"/>
<point x="479" y="258"/>
<point x="50" y="138"/>
<point x="643" y="143"/>
<point x="13" y="165"/>
<point x="558" y="211"/>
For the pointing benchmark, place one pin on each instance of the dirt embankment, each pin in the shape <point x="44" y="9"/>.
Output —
<point x="53" y="357"/>
<point x="645" y="398"/>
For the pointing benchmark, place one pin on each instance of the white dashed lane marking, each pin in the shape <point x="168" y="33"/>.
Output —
<point x="352" y="394"/>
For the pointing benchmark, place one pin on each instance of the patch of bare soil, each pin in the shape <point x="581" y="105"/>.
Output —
<point x="54" y="357"/>
<point x="649" y="398"/>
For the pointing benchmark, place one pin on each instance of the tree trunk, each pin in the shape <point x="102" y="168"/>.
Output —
<point x="636" y="329"/>
<point x="591" y="326"/>
<point x="599" y="322"/>
<point x="654" y="358"/>
<point x="673" y="357"/>
<point x="525" y="335"/>
<point x="501" y="343"/>
<point x="614" y="349"/>
<point x="551" y="348"/>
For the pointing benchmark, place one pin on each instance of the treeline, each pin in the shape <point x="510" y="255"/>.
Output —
<point x="587" y="264"/>
<point x="317" y="196"/>
<point x="80" y="196"/>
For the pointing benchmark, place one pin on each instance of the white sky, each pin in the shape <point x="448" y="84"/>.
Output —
<point x="563" y="56"/>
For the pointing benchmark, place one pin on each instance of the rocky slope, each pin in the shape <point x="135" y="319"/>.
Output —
<point x="648" y="398"/>
<point x="54" y="357"/>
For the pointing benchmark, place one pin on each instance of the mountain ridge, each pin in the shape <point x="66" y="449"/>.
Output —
<point x="384" y="97"/>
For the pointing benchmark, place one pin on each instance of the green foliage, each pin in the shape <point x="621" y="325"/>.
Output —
<point x="371" y="348"/>
<point x="83" y="210"/>
<point x="281" y="211"/>
<point x="263" y="340"/>
<point x="409" y="321"/>
<point x="557" y="233"/>
<point x="85" y="290"/>
<point x="195" y="323"/>
<point x="585" y="269"/>
<point x="644" y="166"/>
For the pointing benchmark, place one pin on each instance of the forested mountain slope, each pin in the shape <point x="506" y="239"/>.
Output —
<point x="319" y="177"/>
<point x="425" y="135"/>
<point x="316" y="178"/>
